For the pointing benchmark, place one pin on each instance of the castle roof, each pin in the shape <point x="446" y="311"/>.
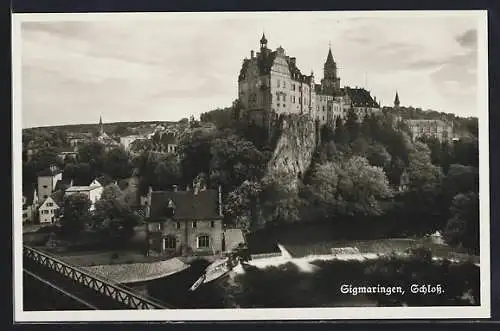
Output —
<point x="265" y="61"/>
<point x="188" y="205"/>
<point x="360" y="97"/>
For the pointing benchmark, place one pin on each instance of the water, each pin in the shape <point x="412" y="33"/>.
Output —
<point x="284" y="282"/>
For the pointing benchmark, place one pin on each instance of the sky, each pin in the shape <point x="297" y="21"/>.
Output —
<point x="164" y="67"/>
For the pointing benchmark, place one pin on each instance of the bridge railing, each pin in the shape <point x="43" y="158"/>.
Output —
<point x="96" y="282"/>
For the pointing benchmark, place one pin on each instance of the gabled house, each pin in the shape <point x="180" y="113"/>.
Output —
<point x="30" y="205"/>
<point x="48" y="211"/>
<point x="92" y="191"/>
<point x="185" y="222"/>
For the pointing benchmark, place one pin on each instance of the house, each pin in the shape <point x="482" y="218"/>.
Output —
<point x="30" y="206"/>
<point x="67" y="155"/>
<point x="48" y="211"/>
<point x="185" y="222"/>
<point x="126" y="141"/>
<point x="47" y="181"/>
<point x="92" y="191"/>
<point x="404" y="182"/>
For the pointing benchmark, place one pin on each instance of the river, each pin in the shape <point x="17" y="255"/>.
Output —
<point x="287" y="282"/>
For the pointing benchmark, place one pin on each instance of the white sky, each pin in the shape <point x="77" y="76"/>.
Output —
<point x="169" y="66"/>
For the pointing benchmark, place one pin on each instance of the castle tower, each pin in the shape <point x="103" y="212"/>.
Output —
<point x="263" y="42"/>
<point x="396" y="101"/>
<point x="330" y="83"/>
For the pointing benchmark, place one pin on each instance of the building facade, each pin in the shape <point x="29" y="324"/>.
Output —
<point x="30" y="206"/>
<point x="439" y="129"/>
<point x="47" y="181"/>
<point x="185" y="222"/>
<point x="48" y="211"/>
<point x="271" y="81"/>
<point x="92" y="191"/>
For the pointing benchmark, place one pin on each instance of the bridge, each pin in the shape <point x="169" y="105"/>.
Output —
<point x="82" y="288"/>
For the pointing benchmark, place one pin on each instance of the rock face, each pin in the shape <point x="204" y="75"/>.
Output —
<point x="295" y="147"/>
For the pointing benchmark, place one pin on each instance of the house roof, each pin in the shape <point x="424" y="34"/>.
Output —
<point x="49" y="199"/>
<point x="188" y="205"/>
<point x="58" y="197"/>
<point x="81" y="188"/>
<point x="63" y="184"/>
<point x="49" y="172"/>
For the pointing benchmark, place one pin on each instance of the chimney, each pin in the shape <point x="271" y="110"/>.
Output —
<point x="251" y="54"/>
<point x="220" y="200"/>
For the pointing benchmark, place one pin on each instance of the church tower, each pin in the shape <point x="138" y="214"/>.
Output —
<point x="330" y="83"/>
<point x="396" y="101"/>
<point x="101" y="126"/>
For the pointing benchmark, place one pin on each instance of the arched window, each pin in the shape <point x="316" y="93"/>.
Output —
<point x="203" y="241"/>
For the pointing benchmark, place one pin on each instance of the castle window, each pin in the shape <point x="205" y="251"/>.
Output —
<point x="203" y="241"/>
<point x="194" y="224"/>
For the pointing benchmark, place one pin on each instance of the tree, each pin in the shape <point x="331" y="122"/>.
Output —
<point x="168" y="172"/>
<point x="76" y="214"/>
<point x="352" y="124"/>
<point x="117" y="164"/>
<point x="462" y="228"/>
<point x="460" y="179"/>
<point x="349" y="187"/>
<point x="466" y="152"/>
<point x="241" y="204"/>
<point x="378" y="156"/>
<point x="94" y="154"/>
<point x="424" y="176"/>
<point x="114" y="215"/>
<point x="280" y="200"/>
<point x="195" y="149"/>
<point x="425" y="189"/>
<point x="235" y="160"/>
<point x="341" y="135"/>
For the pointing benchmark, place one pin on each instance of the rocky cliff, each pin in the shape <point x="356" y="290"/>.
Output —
<point x="294" y="147"/>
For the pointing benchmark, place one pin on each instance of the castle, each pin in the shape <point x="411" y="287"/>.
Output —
<point x="271" y="81"/>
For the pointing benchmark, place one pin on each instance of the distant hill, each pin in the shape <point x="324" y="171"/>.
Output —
<point x="108" y="127"/>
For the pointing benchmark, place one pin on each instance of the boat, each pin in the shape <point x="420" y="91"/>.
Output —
<point x="214" y="271"/>
<point x="198" y="282"/>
